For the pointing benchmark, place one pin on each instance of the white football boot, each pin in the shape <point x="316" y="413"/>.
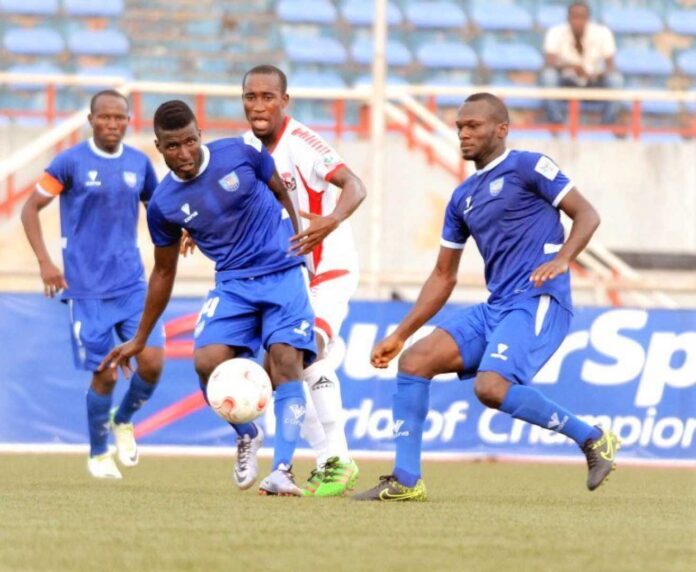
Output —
<point x="126" y="447"/>
<point x="246" y="467"/>
<point x="103" y="467"/>
<point x="280" y="482"/>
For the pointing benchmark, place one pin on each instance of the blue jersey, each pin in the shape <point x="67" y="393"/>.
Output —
<point x="510" y="209"/>
<point x="228" y="210"/>
<point x="99" y="203"/>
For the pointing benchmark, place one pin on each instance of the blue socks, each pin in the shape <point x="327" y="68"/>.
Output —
<point x="289" y="410"/>
<point x="136" y="396"/>
<point x="98" y="407"/>
<point x="409" y="410"/>
<point x="241" y="428"/>
<point x="530" y="405"/>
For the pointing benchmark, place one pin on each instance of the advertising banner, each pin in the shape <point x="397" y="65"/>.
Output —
<point x="629" y="369"/>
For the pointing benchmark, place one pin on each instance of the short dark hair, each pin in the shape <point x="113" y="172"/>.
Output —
<point x="172" y="115"/>
<point x="267" y="69"/>
<point x="106" y="92"/>
<point x="500" y="111"/>
<point x="580" y="4"/>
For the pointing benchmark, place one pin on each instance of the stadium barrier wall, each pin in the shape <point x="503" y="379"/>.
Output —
<point x="632" y="369"/>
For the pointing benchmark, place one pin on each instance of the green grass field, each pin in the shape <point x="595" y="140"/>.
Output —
<point x="185" y="514"/>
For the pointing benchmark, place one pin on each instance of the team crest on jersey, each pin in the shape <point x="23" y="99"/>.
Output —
<point x="230" y="182"/>
<point x="496" y="186"/>
<point x="289" y="181"/>
<point x="130" y="178"/>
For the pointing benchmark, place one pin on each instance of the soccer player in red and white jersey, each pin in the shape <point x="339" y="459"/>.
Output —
<point x="324" y="192"/>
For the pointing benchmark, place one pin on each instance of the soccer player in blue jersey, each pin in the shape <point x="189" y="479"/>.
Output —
<point x="229" y="198"/>
<point x="101" y="183"/>
<point x="510" y="207"/>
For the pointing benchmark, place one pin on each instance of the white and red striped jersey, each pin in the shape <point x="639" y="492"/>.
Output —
<point x="306" y="163"/>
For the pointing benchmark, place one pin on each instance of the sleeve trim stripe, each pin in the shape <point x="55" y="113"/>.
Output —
<point x="452" y="245"/>
<point x="332" y="172"/>
<point x="564" y="191"/>
<point x="42" y="191"/>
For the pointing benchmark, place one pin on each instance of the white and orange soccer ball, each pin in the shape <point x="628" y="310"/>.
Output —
<point x="239" y="390"/>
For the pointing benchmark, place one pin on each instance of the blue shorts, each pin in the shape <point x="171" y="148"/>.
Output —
<point x="93" y="323"/>
<point x="247" y="313"/>
<point x="514" y="342"/>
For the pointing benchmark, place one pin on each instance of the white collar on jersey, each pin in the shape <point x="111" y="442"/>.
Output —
<point x="494" y="163"/>
<point x="97" y="151"/>
<point x="204" y="166"/>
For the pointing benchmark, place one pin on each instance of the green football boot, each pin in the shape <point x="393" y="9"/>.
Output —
<point x="313" y="482"/>
<point x="339" y="478"/>
<point x="391" y="490"/>
<point x="600" y="455"/>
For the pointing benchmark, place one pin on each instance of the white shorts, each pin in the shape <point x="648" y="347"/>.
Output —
<point x="330" y="293"/>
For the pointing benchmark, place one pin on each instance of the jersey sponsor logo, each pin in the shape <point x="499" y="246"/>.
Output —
<point x="130" y="178"/>
<point x="186" y="209"/>
<point x="468" y="206"/>
<point x="289" y="181"/>
<point x="92" y="179"/>
<point x="496" y="186"/>
<point x="500" y="354"/>
<point x="312" y="140"/>
<point x="556" y="424"/>
<point x="230" y="182"/>
<point x="547" y="168"/>
<point x="303" y="330"/>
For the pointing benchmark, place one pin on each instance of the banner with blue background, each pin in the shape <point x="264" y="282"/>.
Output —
<point x="631" y="369"/>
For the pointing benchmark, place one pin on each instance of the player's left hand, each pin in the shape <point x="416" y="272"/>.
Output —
<point x="186" y="246"/>
<point x="120" y="357"/>
<point x="549" y="271"/>
<point x="319" y="228"/>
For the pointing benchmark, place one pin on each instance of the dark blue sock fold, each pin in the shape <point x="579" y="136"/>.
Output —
<point x="289" y="408"/>
<point x="530" y="405"/>
<point x="98" y="407"/>
<point x="136" y="396"/>
<point x="410" y="409"/>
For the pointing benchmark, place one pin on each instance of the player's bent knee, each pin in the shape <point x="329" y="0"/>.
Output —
<point x="490" y="389"/>
<point x="150" y="365"/>
<point x="284" y="363"/>
<point x="204" y="366"/>
<point x="416" y="363"/>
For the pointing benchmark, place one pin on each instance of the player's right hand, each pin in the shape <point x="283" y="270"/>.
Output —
<point x="186" y="246"/>
<point x="52" y="278"/>
<point x="386" y="350"/>
<point x="120" y="357"/>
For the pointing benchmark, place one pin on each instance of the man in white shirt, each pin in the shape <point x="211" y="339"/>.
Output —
<point x="580" y="53"/>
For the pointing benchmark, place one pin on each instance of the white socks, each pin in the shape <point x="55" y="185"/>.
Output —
<point x="323" y="427"/>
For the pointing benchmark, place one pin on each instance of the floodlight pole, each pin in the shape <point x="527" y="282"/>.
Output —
<point x="377" y="129"/>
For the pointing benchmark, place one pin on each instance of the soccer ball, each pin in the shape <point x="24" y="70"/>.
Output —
<point x="239" y="390"/>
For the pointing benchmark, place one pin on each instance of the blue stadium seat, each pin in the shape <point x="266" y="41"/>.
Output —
<point x="453" y="55"/>
<point x="362" y="13"/>
<point x="661" y="138"/>
<point x="632" y="20"/>
<point x="29" y="7"/>
<point x="446" y="80"/>
<point x="511" y="57"/>
<point x="367" y="80"/>
<point x="686" y="62"/>
<point x="397" y="53"/>
<point x="98" y="43"/>
<point x="643" y="62"/>
<point x="33" y="41"/>
<point x="307" y="11"/>
<point x="596" y="136"/>
<point x="315" y="50"/>
<point x="498" y="17"/>
<point x="517" y="102"/>
<point x="44" y="69"/>
<point x="103" y="8"/>
<point x="318" y="79"/>
<point x="660" y="107"/>
<point x="430" y="15"/>
<point x="116" y="71"/>
<point x="682" y="22"/>
<point x="551" y="15"/>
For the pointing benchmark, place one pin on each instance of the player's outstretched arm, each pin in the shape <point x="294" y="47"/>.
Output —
<point x="51" y="275"/>
<point x="433" y="295"/>
<point x="159" y="290"/>
<point x="352" y="194"/>
<point x="585" y="222"/>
